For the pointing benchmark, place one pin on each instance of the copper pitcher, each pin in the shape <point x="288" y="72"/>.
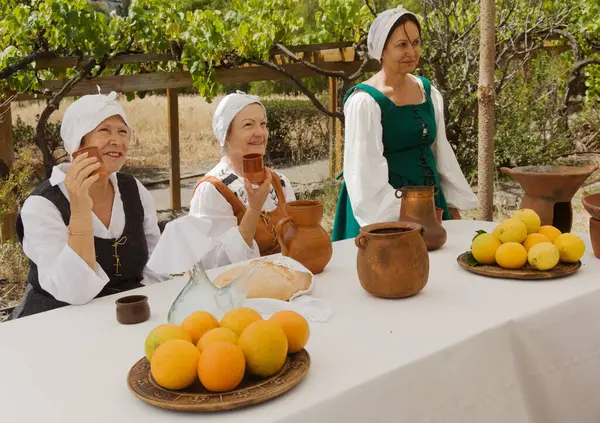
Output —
<point x="304" y="239"/>
<point x="392" y="260"/>
<point x="418" y="205"/>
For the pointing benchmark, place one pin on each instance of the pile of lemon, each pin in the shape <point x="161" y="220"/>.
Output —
<point x="220" y="354"/>
<point x="522" y="239"/>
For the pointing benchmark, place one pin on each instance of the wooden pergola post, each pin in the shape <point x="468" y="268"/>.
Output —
<point x="7" y="156"/>
<point x="335" y="132"/>
<point x="175" y="177"/>
<point x="486" y="96"/>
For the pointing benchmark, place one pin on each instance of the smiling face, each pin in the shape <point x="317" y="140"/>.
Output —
<point x="111" y="137"/>
<point x="247" y="133"/>
<point x="402" y="49"/>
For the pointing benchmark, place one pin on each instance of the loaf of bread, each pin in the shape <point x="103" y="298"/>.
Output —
<point x="270" y="280"/>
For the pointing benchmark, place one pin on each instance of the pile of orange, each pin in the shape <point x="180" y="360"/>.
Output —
<point x="219" y="354"/>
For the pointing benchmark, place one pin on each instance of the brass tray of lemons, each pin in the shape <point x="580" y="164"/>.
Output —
<point x="521" y="248"/>
<point x="205" y="365"/>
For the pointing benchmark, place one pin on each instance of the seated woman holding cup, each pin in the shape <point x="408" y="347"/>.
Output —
<point x="88" y="231"/>
<point x="243" y="210"/>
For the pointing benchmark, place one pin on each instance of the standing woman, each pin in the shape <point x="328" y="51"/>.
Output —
<point x="86" y="233"/>
<point x="395" y="134"/>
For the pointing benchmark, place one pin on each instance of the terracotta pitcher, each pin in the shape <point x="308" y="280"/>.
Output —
<point x="302" y="237"/>
<point x="392" y="259"/>
<point x="418" y="205"/>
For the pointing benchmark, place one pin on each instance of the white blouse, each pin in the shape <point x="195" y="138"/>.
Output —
<point x="61" y="271"/>
<point x="373" y="199"/>
<point x="208" y="203"/>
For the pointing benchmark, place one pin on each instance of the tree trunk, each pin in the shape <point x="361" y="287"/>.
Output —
<point x="7" y="227"/>
<point x="486" y="96"/>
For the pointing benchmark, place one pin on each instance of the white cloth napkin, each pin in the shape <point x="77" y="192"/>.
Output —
<point x="311" y="308"/>
<point x="182" y="244"/>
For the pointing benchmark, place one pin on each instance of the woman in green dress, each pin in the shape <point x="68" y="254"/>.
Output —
<point x="395" y="134"/>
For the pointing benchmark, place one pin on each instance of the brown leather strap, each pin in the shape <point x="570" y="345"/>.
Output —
<point x="236" y="204"/>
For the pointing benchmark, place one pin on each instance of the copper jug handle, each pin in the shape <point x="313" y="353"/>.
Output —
<point x="279" y="231"/>
<point x="361" y="241"/>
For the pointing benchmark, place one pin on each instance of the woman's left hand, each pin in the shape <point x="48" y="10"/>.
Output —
<point x="454" y="213"/>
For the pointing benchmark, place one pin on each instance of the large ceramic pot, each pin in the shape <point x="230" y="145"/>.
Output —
<point x="392" y="260"/>
<point x="418" y="206"/>
<point x="302" y="237"/>
<point x="592" y="205"/>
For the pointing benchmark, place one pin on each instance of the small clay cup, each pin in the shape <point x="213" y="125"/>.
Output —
<point x="132" y="309"/>
<point x="93" y="152"/>
<point x="439" y="214"/>
<point x="254" y="168"/>
<point x="595" y="236"/>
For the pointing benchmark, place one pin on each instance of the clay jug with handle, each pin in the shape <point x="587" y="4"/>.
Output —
<point x="392" y="260"/>
<point x="302" y="237"/>
<point x="418" y="205"/>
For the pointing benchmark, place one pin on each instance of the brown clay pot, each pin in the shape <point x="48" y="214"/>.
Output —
<point x="392" y="259"/>
<point x="132" y="309"/>
<point x="591" y="203"/>
<point x="253" y="168"/>
<point x="595" y="235"/>
<point x="549" y="190"/>
<point x="418" y="205"/>
<point x="302" y="237"/>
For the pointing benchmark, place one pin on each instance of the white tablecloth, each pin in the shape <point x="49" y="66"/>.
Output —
<point x="468" y="349"/>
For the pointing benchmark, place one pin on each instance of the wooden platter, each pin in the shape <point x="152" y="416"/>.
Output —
<point x="526" y="273"/>
<point x="197" y="398"/>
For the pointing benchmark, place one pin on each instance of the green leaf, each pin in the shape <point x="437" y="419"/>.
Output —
<point x="479" y="232"/>
<point x="471" y="262"/>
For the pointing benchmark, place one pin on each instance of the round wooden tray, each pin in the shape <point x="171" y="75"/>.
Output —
<point x="197" y="398"/>
<point x="526" y="273"/>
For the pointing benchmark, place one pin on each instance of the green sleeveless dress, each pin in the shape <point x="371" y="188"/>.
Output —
<point x="408" y="133"/>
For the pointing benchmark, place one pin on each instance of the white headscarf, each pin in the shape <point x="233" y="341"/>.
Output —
<point x="380" y="29"/>
<point x="85" y="114"/>
<point x="227" y="109"/>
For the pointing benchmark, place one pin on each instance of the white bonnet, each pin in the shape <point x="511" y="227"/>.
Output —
<point x="227" y="109"/>
<point x="380" y="29"/>
<point x="85" y="114"/>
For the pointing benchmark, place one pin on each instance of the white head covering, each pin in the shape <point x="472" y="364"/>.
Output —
<point x="380" y="29"/>
<point x="85" y="114"/>
<point x="227" y="109"/>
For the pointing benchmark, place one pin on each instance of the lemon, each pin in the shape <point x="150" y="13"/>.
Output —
<point x="511" y="230"/>
<point x="511" y="255"/>
<point x="543" y="256"/>
<point x="530" y="218"/>
<point x="570" y="247"/>
<point x="550" y="231"/>
<point x="533" y="239"/>
<point x="484" y="248"/>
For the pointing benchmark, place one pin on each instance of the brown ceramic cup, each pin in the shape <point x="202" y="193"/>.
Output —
<point x="132" y="309"/>
<point x="254" y="168"/>
<point x="93" y="152"/>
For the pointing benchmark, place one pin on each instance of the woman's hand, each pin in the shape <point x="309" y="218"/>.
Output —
<point x="454" y="213"/>
<point x="258" y="196"/>
<point x="78" y="181"/>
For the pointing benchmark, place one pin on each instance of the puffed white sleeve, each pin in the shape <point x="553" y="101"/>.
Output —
<point x="288" y="190"/>
<point x="152" y="233"/>
<point x="454" y="184"/>
<point x="373" y="199"/>
<point x="229" y="246"/>
<point x="61" y="271"/>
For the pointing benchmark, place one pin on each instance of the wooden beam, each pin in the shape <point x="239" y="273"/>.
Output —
<point x="174" y="80"/>
<point x="7" y="156"/>
<point x="131" y="59"/>
<point x="175" y="177"/>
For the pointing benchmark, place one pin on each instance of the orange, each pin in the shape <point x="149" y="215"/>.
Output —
<point x="265" y="347"/>
<point x="533" y="239"/>
<point x="175" y="364"/>
<point x="239" y="318"/>
<point x="221" y="366"/>
<point x="295" y="327"/>
<point x="217" y="335"/>
<point x="162" y="334"/>
<point x="198" y="323"/>
<point x="550" y="231"/>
